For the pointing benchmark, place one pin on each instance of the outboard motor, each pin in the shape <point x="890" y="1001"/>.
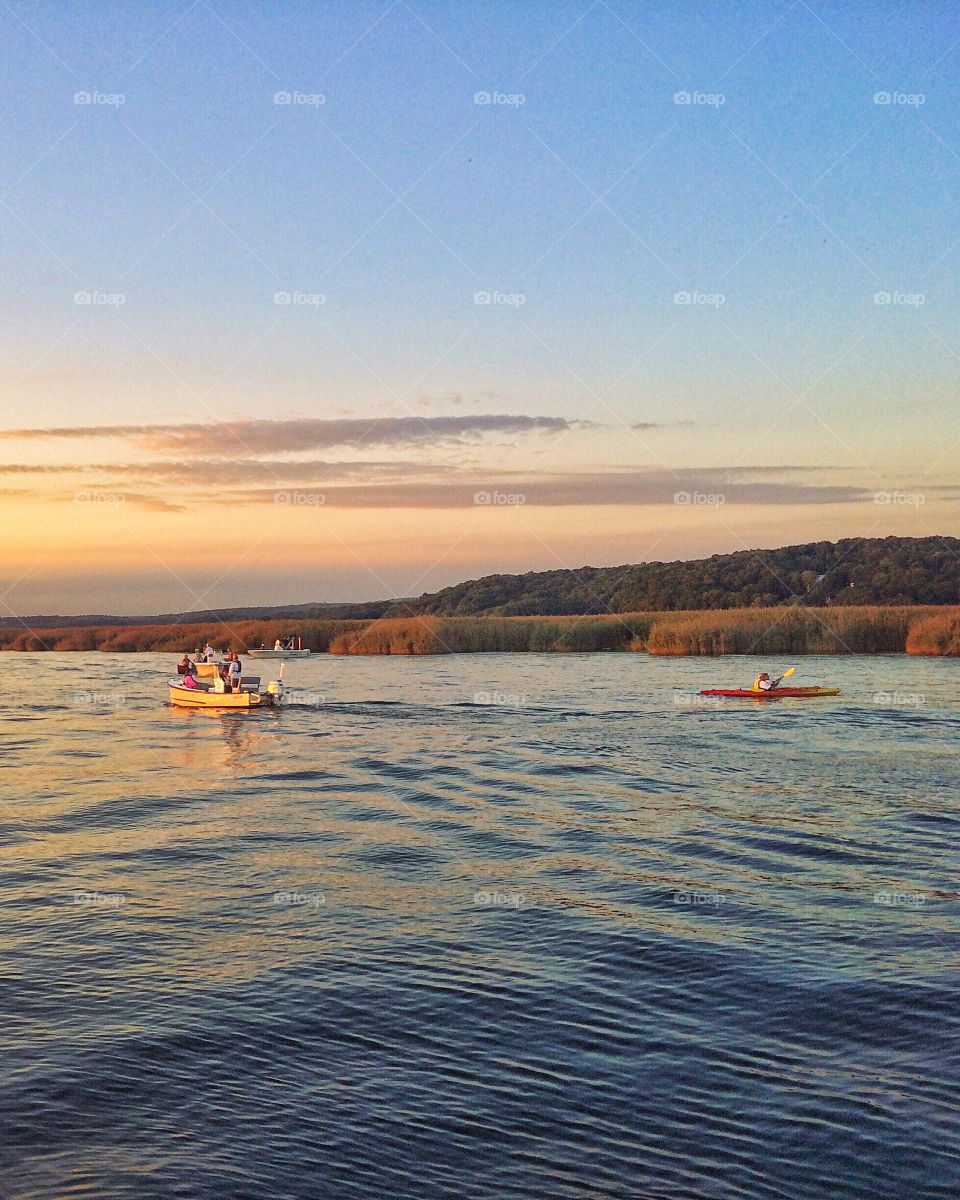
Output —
<point x="275" y="689"/>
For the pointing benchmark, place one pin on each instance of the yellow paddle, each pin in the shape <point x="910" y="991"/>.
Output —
<point x="786" y="675"/>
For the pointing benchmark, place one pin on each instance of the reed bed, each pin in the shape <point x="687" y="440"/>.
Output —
<point x="939" y="634"/>
<point x="766" y="631"/>
<point x="867" y="630"/>
<point x="237" y="635"/>
<point x="476" y="635"/>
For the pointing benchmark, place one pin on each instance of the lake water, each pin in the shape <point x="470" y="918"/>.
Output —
<point x="480" y="926"/>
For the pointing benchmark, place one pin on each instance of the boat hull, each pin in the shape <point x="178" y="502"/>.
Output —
<point x="183" y="697"/>
<point x="278" y="653"/>
<point x="796" y="693"/>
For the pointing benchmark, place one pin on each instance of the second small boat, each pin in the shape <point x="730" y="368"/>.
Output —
<point x="289" y="647"/>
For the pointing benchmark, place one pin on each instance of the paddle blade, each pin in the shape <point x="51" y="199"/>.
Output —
<point x="788" y="672"/>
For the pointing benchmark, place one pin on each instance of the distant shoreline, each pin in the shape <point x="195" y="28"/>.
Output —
<point x="921" y="630"/>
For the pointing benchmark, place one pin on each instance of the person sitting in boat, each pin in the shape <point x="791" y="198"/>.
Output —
<point x="763" y="683"/>
<point x="185" y="666"/>
<point x="289" y="643"/>
<point x="190" y="681"/>
<point x="278" y="645"/>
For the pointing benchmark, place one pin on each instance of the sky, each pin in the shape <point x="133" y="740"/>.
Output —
<point x="340" y="301"/>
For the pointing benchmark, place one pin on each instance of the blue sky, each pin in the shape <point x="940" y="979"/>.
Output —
<point x="783" y="198"/>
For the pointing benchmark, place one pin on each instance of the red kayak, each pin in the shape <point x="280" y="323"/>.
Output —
<point x="779" y="693"/>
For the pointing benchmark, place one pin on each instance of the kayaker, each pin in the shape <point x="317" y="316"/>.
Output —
<point x="763" y="682"/>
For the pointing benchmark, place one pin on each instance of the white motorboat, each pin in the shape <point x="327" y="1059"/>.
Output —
<point x="281" y="649"/>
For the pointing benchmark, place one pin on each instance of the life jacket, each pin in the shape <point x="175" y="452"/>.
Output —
<point x="189" y="681"/>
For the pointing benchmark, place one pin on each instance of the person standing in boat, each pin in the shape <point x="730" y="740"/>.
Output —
<point x="234" y="671"/>
<point x="208" y="653"/>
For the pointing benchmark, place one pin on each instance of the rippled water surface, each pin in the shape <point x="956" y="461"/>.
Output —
<point x="480" y="926"/>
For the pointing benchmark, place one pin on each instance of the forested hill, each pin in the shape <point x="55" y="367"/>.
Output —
<point x="887" y="571"/>
<point x="892" y="570"/>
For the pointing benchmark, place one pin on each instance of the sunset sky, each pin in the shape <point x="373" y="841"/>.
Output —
<point x="338" y="301"/>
